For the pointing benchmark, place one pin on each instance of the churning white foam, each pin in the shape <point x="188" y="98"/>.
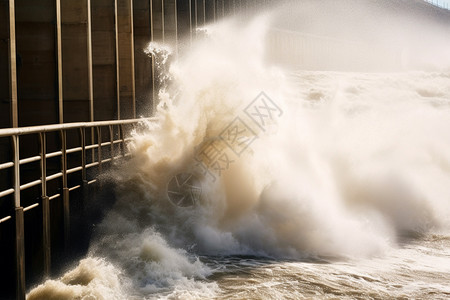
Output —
<point x="355" y="162"/>
<point x="93" y="278"/>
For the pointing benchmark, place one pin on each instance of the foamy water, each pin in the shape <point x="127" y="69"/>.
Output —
<point x="344" y="192"/>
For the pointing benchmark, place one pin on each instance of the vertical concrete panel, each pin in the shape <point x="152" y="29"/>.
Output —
<point x="59" y="62"/>
<point x="220" y="4"/>
<point x="75" y="65"/>
<point x="5" y="121"/>
<point x="184" y="23"/>
<point x="103" y="60"/>
<point x="228" y="7"/>
<point x="143" y="62"/>
<point x="157" y="29"/>
<point x="158" y="20"/>
<point x="36" y="62"/>
<point x="7" y="258"/>
<point x="170" y="22"/>
<point x="200" y="12"/>
<point x="194" y="15"/>
<point x="126" y="58"/>
<point x="210" y="11"/>
<point x="239" y="6"/>
<point x="4" y="66"/>
<point x="90" y="62"/>
<point x="7" y="249"/>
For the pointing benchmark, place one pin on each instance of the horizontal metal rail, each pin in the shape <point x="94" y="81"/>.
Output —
<point x="58" y="127"/>
<point x="113" y="144"/>
<point x="54" y="196"/>
<point x="31" y="207"/>
<point x="54" y="154"/>
<point x="74" y="150"/>
<point x="54" y="176"/>
<point x="6" y="165"/>
<point x="30" y="184"/>
<point x="29" y="160"/>
<point x="6" y="192"/>
<point x="5" y="219"/>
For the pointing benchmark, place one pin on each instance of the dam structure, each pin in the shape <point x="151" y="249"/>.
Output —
<point x="74" y="81"/>
<point x="76" y="78"/>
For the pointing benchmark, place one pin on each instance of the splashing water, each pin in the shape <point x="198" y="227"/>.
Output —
<point x="355" y="173"/>
<point x="334" y="179"/>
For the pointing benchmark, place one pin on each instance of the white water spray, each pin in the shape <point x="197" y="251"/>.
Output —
<point x="355" y="163"/>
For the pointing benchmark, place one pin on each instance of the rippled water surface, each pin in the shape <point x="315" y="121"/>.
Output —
<point x="418" y="269"/>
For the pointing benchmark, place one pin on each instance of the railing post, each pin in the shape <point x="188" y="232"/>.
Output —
<point x="84" y="184"/>
<point x="116" y="31"/>
<point x="46" y="235"/>
<point x="46" y="249"/>
<point x="99" y="149"/>
<point x="195" y="16"/>
<point x="12" y="64"/>
<point x="89" y="54"/>
<point x="152" y="58"/>
<point x="133" y="69"/>
<point x="19" y="225"/>
<point x="204" y="12"/>
<point x="20" y="254"/>
<point x="122" y="137"/>
<point x="83" y="154"/>
<point x="190" y="22"/>
<point x="111" y="140"/>
<point x="59" y="62"/>
<point x="66" y="203"/>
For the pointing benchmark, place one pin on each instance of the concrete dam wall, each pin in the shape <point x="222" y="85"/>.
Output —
<point x="77" y="73"/>
<point x="75" y="80"/>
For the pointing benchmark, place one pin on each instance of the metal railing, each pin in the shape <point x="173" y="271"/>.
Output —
<point x="92" y="150"/>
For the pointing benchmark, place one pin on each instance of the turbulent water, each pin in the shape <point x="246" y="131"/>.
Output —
<point x="328" y="185"/>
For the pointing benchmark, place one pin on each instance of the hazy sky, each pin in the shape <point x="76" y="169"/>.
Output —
<point x="441" y="2"/>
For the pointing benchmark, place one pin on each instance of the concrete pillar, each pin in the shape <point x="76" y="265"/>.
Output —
<point x="45" y="204"/>
<point x="239" y="6"/>
<point x="194" y="15"/>
<point x="170" y="23"/>
<point x="184" y="23"/>
<point x="8" y="80"/>
<point x="75" y="61"/>
<point x="125" y="39"/>
<point x="103" y="60"/>
<point x="210" y="11"/>
<point x="200" y="12"/>
<point x="7" y="262"/>
<point x="157" y="29"/>
<point x="37" y="62"/>
<point x="143" y="62"/>
<point x="233" y="7"/>
<point x="220" y="9"/>
<point x="158" y="20"/>
<point x="117" y="57"/>
<point x="65" y="191"/>
<point x="90" y="61"/>
<point x="19" y="225"/>
<point x="59" y="62"/>
<point x="228" y="7"/>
